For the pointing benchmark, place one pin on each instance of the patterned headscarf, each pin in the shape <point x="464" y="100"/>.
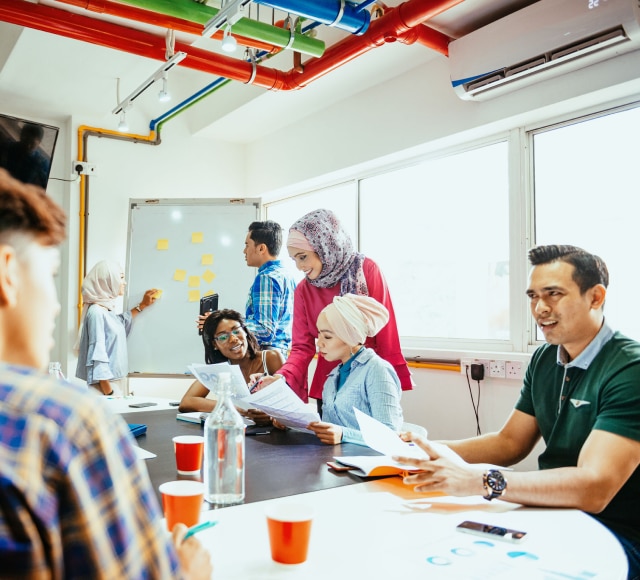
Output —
<point x="340" y="263"/>
<point x="353" y="318"/>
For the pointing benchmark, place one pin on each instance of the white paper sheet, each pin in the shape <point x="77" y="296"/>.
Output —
<point x="143" y="453"/>
<point x="279" y="401"/>
<point x="383" y="439"/>
<point x="208" y="375"/>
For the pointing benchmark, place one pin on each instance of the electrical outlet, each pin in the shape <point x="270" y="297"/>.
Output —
<point x="513" y="370"/>
<point x="84" y="168"/>
<point x="497" y="369"/>
<point x="466" y="363"/>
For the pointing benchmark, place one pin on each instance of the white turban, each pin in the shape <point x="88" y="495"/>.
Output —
<point x="353" y="318"/>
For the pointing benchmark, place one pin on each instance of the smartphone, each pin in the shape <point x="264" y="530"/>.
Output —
<point x="208" y="304"/>
<point x="140" y="405"/>
<point x="494" y="532"/>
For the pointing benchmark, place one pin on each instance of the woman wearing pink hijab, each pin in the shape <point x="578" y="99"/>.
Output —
<point x="323" y="250"/>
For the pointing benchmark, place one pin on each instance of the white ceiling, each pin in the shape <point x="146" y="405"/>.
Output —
<point x="60" y="76"/>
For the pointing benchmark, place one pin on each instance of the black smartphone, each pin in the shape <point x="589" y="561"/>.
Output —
<point x="489" y="531"/>
<point x="208" y="304"/>
<point x="140" y="405"/>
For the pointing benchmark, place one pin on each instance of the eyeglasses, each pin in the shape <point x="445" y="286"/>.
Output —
<point x="239" y="331"/>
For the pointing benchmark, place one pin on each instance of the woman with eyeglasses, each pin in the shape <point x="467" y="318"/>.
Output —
<point x="227" y="339"/>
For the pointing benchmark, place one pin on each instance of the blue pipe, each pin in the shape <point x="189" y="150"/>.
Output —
<point x="353" y="19"/>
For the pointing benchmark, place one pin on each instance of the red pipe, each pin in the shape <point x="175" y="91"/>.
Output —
<point x="163" y="21"/>
<point x="393" y="25"/>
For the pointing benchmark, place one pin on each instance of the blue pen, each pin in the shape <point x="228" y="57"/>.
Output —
<point x="199" y="528"/>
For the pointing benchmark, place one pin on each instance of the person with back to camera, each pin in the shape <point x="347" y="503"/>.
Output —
<point x="76" y="500"/>
<point x="322" y="249"/>
<point x="226" y="338"/>
<point x="581" y="394"/>
<point x="362" y="379"/>
<point x="102" y="342"/>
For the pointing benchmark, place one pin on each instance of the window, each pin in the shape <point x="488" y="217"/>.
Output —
<point x="440" y="233"/>
<point x="586" y="194"/>
<point x="341" y="199"/>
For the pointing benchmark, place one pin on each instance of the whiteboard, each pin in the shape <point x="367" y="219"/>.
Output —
<point x="187" y="248"/>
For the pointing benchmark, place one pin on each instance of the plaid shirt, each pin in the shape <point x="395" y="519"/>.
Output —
<point x="74" y="500"/>
<point x="270" y="306"/>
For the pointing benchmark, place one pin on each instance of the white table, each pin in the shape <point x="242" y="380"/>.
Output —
<point x="382" y="529"/>
<point x="123" y="404"/>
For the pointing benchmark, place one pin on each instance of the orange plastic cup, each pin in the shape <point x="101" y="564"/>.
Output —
<point x="189" y="450"/>
<point x="182" y="502"/>
<point x="289" y="531"/>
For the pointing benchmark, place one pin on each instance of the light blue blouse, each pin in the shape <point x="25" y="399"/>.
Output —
<point x="372" y="387"/>
<point x="103" y="345"/>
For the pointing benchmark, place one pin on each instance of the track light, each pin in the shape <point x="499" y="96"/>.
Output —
<point x="156" y="76"/>
<point x="122" y="125"/>
<point x="229" y="43"/>
<point x="230" y="12"/>
<point x="163" y="95"/>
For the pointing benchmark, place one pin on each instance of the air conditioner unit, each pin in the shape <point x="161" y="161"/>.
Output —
<point x="548" y="38"/>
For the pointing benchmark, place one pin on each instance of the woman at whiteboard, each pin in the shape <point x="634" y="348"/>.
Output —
<point x="226" y="338"/>
<point x="322" y="249"/>
<point x="102" y="341"/>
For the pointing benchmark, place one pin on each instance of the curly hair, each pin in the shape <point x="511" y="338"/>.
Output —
<point x="26" y="209"/>
<point x="211" y="354"/>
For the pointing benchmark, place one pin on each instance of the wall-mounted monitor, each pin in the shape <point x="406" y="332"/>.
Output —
<point x="26" y="149"/>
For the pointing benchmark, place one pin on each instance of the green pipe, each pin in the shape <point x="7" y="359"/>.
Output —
<point x="201" y="14"/>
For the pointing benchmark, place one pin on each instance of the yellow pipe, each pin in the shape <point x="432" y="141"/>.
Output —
<point x="82" y="129"/>
<point x="436" y="366"/>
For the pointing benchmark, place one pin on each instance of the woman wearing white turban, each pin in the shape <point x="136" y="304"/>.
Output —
<point x="362" y="379"/>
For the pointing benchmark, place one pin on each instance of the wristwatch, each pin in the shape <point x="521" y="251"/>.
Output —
<point x="494" y="483"/>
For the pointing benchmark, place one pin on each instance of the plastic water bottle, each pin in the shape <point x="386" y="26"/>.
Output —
<point x="55" y="370"/>
<point x="224" y="449"/>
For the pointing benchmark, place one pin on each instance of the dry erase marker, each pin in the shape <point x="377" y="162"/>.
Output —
<point x="199" y="528"/>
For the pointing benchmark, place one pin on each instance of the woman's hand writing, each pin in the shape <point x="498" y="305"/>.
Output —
<point x="195" y="561"/>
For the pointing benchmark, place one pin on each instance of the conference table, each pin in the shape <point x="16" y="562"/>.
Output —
<point x="377" y="528"/>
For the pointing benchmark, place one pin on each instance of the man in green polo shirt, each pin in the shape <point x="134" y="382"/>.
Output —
<point x="581" y="394"/>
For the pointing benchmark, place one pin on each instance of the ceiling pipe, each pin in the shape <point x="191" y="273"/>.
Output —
<point x="245" y="27"/>
<point x="161" y="20"/>
<point x="392" y="25"/>
<point x="335" y="13"/>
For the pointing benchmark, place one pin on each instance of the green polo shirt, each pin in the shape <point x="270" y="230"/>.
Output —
<point x="569" y="401"/>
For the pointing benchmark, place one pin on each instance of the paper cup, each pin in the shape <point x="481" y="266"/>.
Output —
<point x="182" y="502"/>
<point x="189" y="450"/>
<point x="289" y="530"/>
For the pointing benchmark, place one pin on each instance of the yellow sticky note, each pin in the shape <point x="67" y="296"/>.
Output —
<point x="194" y="295"/>
<point x="208" y="293"/>
<point x="207" y="259"/>
<point x="196" y="238"/>
<point x="162" y="245"/>
<point x="208" y="276"/>
<point x="194" y="281"/>
<point x="180" y="275"/>
<point x="157" y="294"/>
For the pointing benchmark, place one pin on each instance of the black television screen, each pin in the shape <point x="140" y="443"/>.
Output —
<point x="26" y="149"/>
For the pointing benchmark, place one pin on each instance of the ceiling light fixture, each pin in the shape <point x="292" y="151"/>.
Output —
<point x="230" y="12"/>
<point x="229" y="43"/>
<point x="156" y="76"/>
<point x="122" y="125"/>
<point x="163" y="95"/>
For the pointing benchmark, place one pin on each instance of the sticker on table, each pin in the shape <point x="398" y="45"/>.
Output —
<point x="162" y="245"/>
<point x="208" y="276"/>
<point x="194" y="281"/>
<point x="194" y="295"/>
<point x="197" y="238"/>
<point x="207" y="259"/>
<point x="180" y="275"/>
